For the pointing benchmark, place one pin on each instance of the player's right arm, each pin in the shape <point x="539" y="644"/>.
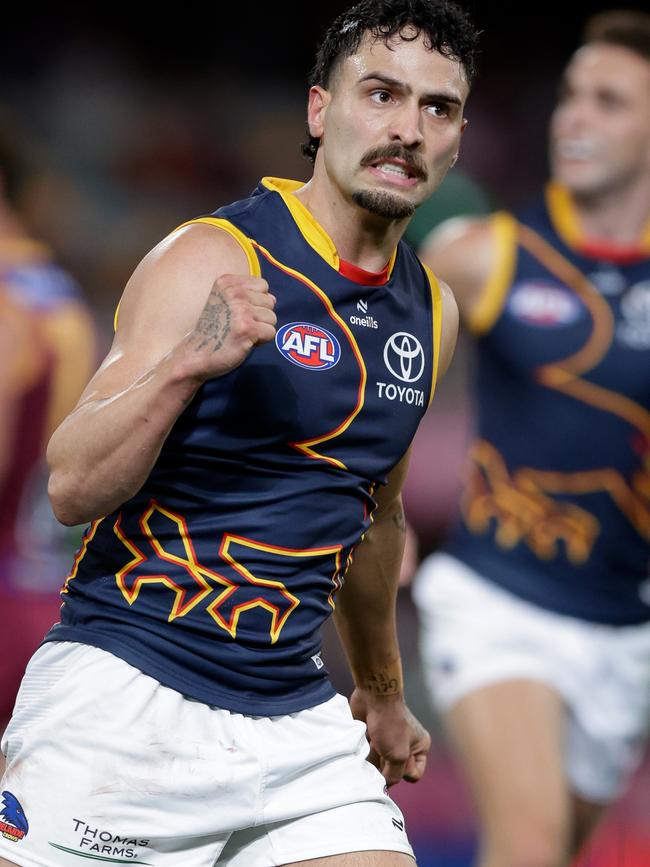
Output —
<point x="190" y="312"/>
<point x="462" y="252"/>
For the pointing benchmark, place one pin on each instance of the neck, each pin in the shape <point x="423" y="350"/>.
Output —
<point x="365" y="240"/>
<point x="619" y="216"/>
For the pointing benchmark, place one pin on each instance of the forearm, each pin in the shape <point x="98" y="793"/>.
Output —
<point x="103" y="452"/>
<point x="365" y="606"/>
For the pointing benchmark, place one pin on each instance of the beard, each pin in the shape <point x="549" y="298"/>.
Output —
<point x="384" y="204"/>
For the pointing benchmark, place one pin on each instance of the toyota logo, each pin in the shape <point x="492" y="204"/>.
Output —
<point x="404" y="356"/>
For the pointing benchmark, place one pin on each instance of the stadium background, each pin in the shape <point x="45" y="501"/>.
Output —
<point x="145" y="117"/>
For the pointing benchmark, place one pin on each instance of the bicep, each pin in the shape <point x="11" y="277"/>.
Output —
<point x="162" y="303"/>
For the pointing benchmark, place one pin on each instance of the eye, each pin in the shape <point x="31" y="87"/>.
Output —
<point x="381" y="97"/>
<point x="609" y="101"/>
<point x="438" y="109"/>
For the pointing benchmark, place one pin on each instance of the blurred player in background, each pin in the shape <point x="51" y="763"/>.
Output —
<point x="241" y="452"/>
<point x="47" y="355"/>
<point x="535" y="617"/>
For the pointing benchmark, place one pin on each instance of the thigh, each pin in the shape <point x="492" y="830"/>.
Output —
<point x="337" y="836"/>
<point x="609" y="704"/>
<point x="321" y="798"/>
<point x="509" y="738"/>
<point x="104" y="763"/>
<point x="359" y="859"/>
<point x="473" y="633"/>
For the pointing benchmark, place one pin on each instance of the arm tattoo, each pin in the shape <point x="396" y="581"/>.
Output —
<point x="399" y="520"/>
<point x="214" y="322"/>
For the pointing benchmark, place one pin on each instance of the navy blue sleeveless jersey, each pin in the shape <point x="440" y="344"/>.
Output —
<point x="216" y="577"/>
<point x="557" y="504"/>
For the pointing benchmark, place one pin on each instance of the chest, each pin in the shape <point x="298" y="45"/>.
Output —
<point x="346" y="380"/>
<point x="592" y="319"/>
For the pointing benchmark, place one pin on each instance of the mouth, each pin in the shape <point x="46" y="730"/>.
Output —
<point x="395" y="166"/>
<point x="575" y="149"/>
<point x="395" y="171"/>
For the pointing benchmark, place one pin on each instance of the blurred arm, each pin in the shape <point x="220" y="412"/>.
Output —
<point x="463" y="253"/>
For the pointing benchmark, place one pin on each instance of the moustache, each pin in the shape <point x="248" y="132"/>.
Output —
<point x="411" y="161"/>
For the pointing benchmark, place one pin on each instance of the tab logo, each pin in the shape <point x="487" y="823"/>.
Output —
<point x="308" y="346"/>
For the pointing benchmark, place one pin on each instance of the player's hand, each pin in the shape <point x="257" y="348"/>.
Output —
<point x="237" y="316"/>
<point x="399" y="744"/>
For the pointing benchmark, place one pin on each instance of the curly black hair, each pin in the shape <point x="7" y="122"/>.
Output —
<point x="445" y="26"/>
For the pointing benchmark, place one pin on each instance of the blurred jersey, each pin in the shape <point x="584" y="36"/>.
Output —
<point x="216" y="576"/>
<point x="47" y="355"/>
<point x="557" y="505"/>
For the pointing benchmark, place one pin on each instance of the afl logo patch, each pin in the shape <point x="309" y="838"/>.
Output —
<point x="544" y="305"/>
<point x="308" y="346"/>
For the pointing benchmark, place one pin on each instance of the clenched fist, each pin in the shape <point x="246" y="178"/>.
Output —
<point x="237" y="316"/>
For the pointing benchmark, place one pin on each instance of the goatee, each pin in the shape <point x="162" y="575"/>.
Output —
<point x="383" y="204"/>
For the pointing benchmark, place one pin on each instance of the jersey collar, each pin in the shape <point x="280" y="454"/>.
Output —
<point x="564" y="217"/>
<point x="317" y="237"/>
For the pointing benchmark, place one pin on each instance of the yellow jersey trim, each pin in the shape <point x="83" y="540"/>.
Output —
<point x="311" y="230"/>
<point x="493" y="295"/>
<point x="436" y="324"/>
<point x="564" y="217"/>
<point x="243" y="241"/>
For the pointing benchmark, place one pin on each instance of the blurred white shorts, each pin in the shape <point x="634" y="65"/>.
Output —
<point x="473" y="633"/>
<point x="105" y="763"/>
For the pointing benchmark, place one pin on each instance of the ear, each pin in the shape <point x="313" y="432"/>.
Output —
<point x="463" y="125"/>
<point x="319" y="99"/>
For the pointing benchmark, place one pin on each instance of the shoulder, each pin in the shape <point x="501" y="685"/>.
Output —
<point x="470" y="254"/>
<point x="171" y="283"/>
<point x="453" y="241"/>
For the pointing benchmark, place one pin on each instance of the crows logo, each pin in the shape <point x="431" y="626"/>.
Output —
<point x="13" y="822"/>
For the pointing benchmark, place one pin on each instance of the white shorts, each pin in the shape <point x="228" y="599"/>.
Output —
<point x="104" y="762"/>
<point x="473" y="633"/>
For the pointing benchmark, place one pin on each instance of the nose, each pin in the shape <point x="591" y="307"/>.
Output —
<point x="406" y="125"/>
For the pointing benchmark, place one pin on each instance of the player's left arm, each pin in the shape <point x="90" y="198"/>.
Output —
<point x="365" y="616"/>
<point x="365" y="621"/>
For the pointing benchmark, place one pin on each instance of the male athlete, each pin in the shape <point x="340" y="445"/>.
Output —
<point x="239" y="456"/>
<point x="46" y="357"/>
<point x="536" y="617"/>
